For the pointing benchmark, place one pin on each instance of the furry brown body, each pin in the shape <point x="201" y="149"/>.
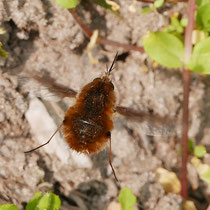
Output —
<point x="88" y="124"/>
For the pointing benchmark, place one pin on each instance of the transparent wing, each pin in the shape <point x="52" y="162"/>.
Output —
<point x="149" y="124"/>
<point x="44" y="86"/>
<point x="152" y="125"/>
<point x="58" y="89"/>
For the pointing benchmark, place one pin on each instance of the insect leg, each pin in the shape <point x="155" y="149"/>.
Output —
<point x="110" y="157"/>
<point x="47" y="141"/>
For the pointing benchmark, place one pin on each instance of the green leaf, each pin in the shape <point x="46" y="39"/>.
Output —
<point x="67" y="4"/>
<point x="190" y="145"/>
<point x="8" y="207"/>
<point x="199" y="151"/>
<point x="146" y="10"/>
<point x="201" y="2"/>
<point x="48" y="201"/>
<point x="164" y="48"/>
<point x="206" y="176"/>
<point x="103" y="4"/>
<point x="3" y="53"/>
<point x="175" y="22"/>
<point x="169" y="28"/>
<point x="203" y="17"/>
<point x="184" y="22"/>
<point x="158" y="3"/>
<point x="34" y="202"/>
<point x="202" y="169"/>
<point x="200" y="61"/>
<point x="127" y="199"/>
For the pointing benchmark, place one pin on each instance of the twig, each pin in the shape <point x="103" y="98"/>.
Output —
<point x="102" y="40"/>
<point x="186" y="87"/>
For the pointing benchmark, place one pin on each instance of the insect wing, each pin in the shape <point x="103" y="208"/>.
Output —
<point x="151" y="125"/>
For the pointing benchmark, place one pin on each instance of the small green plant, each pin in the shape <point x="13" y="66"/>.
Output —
<point x="196" y="150"/>
<point x="48" y="201"/>
<point x="70" y="4"/>
<point x="127" y="199"/>
<point x="199" y="151"/>
<point x="8" y="207"/>
<point x="165" y="48"/>
<point x="202" y="169"/>
<point x="3" y="53"/>
<point x="67" y="4"/>
<point x="176" y="26"/>
<point x="156" y="5"/>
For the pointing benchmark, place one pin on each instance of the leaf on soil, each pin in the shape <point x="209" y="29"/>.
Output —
<point x="199" y="151"/>
<point x="127" y="199"/>
<point x="8" y="207"/>
<point x="3" y="53"/>
<point x="168" y="180"/>
<point x="113" y="5"/>
<point x="48" y="201"/>
<point x="202" y="169"/>
<point x="158" y="3"/>
<point x="67" y="4"/>
<point x="189" y="205"/>
<point x="146" y="10"/>
<point x="105" y="5"/>
<point x="90" y="47"/>
<point x="132" y="7"/>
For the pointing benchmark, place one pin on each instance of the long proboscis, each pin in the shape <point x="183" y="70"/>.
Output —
<point x="32" y="150"/>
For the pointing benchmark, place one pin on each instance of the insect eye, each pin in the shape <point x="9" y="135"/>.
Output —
<point x="111" y="84"/>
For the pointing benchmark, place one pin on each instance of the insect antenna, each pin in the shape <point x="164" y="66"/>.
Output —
<point x="111" y="67"/>
<point x="47" y="141"/>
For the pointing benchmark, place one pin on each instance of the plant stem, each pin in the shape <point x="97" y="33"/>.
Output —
<point x="102" y="40"/>
<point x="85" y="29"/>
<point x="186" y="87"/>
<point x="166" y="1"/>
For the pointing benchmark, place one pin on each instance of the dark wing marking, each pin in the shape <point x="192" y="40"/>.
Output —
<point x="50" y="83"/>
<point x="138" y="115"/>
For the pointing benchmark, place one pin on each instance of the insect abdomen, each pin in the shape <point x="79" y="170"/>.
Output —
<point x="85" y="135"/>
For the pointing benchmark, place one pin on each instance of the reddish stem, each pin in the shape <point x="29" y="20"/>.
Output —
<point x="102" y="40"/>
<point x="85" y="29"/>
<point x="186" y="87"/>
<point x="167" y="1"/>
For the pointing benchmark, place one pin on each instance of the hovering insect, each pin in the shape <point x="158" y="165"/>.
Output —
<point x="87" y="124"/>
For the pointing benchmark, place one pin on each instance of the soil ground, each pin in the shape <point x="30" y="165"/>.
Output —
<point x="40" y="36"/>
